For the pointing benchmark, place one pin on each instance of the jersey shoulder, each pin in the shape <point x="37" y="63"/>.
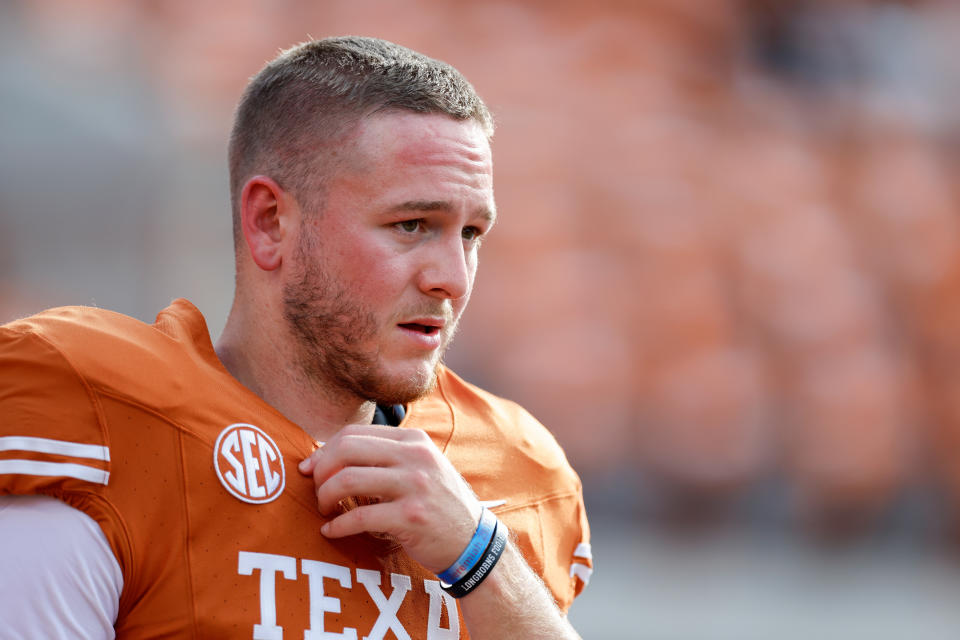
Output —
<point x="485" y="422"/>
<point x="54" y="368"/>
<point x="110" y="351"/>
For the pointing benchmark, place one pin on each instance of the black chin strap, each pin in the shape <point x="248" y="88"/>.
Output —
<point x="390" y="415"/>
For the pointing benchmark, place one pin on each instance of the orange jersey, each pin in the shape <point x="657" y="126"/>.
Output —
<point x="193" y="479"/>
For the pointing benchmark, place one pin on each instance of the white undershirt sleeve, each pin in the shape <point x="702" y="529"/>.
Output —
<point x="60" y="578"/>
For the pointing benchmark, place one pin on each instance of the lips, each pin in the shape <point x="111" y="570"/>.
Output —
<point x="424" y="332"/>
<point x="426" y="327"/>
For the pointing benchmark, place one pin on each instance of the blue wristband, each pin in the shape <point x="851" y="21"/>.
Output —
<point x="471" y="555"/>
<point x="476" y="575"/>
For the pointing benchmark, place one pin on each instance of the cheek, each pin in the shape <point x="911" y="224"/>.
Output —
<point x="461" y="303"/>
<point x="364" y="265"/>
<point x="378" y="282"/>
<point x="471" y="273"/>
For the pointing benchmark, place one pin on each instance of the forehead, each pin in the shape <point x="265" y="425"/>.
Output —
<point x="407" y="139"/>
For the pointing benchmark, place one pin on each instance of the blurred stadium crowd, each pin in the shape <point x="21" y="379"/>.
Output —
<point x="729" y="245"/>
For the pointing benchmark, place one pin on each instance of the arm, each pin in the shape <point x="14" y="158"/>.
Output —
<point x="513" y="603"/>
<point x="60" y="578"/>
<point x="427" y="507"/>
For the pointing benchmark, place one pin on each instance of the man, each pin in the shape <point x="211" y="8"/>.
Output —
<point x="318" y="473"/>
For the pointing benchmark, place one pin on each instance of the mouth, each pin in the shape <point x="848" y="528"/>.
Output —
<point x="421" y="327"/>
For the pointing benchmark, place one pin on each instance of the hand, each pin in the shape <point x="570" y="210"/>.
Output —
<point x="422" y="501"/>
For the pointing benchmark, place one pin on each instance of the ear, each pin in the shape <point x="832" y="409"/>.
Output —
<point x="265" y="218"/>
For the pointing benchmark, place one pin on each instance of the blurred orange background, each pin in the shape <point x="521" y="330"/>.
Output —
<point x="728" y="254"/>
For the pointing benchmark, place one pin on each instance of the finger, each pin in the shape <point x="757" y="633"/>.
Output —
<point x="372" y="518"/>
<point x="355" y="451"/>
<point x="372" y="482"/>
<point x="380" y="431"/>
<point x="306" y="465"/>
<point x="375" y="430"/>
<point x="339" y="450"/>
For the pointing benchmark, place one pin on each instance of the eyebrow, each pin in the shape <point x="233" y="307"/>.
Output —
<point x="440" y="205"/>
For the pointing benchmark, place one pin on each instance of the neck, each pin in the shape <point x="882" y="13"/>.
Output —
<point x="260" y="359"/>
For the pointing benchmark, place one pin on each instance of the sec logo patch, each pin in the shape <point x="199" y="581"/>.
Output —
<point x="249" y="464"/>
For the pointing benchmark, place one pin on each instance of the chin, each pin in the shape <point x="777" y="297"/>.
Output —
<point x="404" y="388"/>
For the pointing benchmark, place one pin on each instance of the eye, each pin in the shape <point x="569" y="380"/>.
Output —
<point x="471" y="233"/>
<point x="410" y="226"/>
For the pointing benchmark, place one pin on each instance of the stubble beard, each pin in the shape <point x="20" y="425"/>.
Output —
<point x="330" y="329"/>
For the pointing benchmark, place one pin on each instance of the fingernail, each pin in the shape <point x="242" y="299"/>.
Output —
<point x="325" y="529"/>
<point x="304" y="464"/>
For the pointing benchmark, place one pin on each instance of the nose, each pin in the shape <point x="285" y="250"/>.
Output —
<point x="448" y="270"/>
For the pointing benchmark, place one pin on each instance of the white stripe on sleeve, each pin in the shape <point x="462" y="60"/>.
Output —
<point x="59" y="447"/>
<point x="56" y="469"/>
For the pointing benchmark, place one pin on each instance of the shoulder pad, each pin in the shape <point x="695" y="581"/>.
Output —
<point x="51" y="434"/>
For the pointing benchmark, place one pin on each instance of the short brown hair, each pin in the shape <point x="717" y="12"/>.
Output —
<point x="314" y="92"/>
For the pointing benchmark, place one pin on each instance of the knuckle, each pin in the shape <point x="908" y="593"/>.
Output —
<point x="347" y="445"/>
<point x="415" y="513"/>
<point x="416" y="435"/>
<point x="349" y="479"/>
<point x="420" y="447"/>
<point x="423" y="455"/>
<point x="421" y="480"/>
<point x="360" y="518"/>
